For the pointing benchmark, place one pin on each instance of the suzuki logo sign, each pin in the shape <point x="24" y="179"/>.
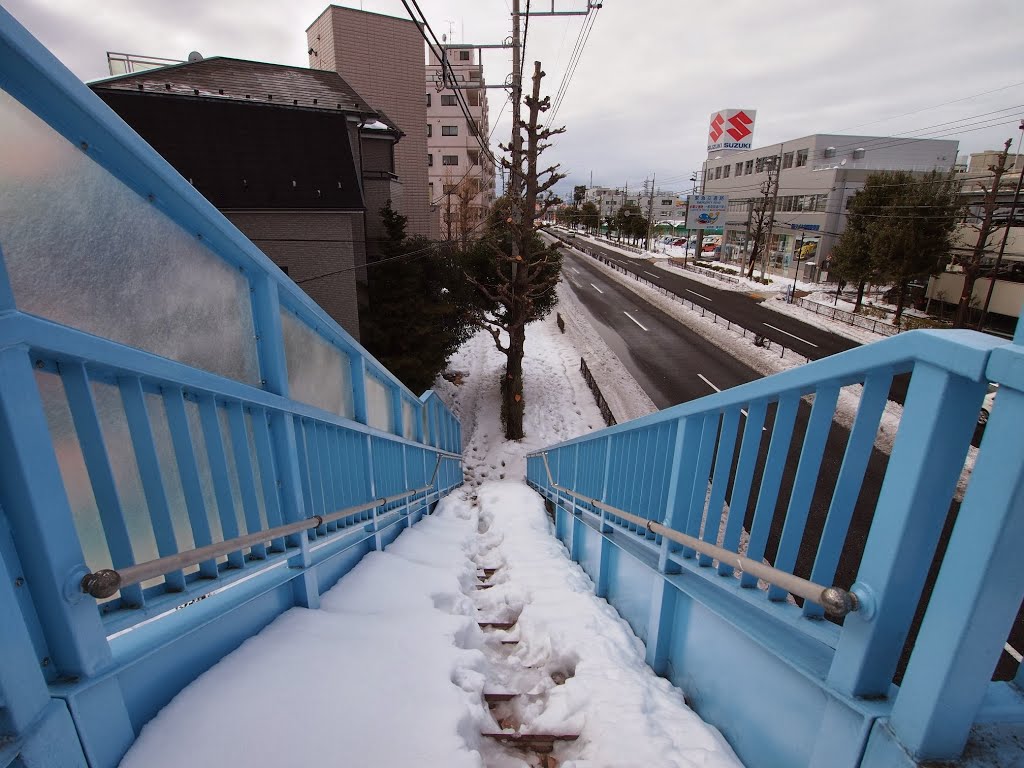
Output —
<point x="731" y="130"/>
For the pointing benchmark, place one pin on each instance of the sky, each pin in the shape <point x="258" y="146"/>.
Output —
<point x="651" y="71"/>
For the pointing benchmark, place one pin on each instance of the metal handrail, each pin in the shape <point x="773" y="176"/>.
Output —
<point x="835" y="600"/>
<point x="106" y="582"/>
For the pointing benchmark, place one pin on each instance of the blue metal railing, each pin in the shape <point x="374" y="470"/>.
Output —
<point x="220" y="406"/>
<point x="715" y="469"/>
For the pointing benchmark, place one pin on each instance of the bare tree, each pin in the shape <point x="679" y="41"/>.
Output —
<point x="521" y="273"/>
<point x="761" y="220"/>
<point x="985" y="229"/>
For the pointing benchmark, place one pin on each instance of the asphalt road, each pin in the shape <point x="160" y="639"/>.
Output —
<point x="674" y="364"/>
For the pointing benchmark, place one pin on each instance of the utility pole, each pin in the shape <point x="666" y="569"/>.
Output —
<point x="746" y="236"/>
<point x="515" y="171"/>
<point x="1002" y="245"/>
<point x="650" y="214"/>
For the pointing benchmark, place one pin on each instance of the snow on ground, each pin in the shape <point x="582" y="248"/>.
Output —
<point x="391" y="670"/>
<point x="860" y="335"/>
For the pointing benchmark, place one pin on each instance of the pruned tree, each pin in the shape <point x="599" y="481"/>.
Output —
<point x="985" y="226"/>
<point x="760" y="221"/>
<point x="579" y="194"/>
<point x="513" y="272"/>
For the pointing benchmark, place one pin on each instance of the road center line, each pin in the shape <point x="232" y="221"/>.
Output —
<point x="697" y="294"/>
<point x="597" y="289"/>
<point x="805" y="341"/>
<point x="651" y="274"/>
<point x="574" y="270"/>
<point x="634" y="319"/>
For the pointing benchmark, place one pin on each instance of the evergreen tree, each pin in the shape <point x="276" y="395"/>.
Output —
<point x="898" y="228"/>
<point x="414" y="322"/>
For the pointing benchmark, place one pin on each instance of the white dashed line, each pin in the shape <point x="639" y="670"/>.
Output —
<point x="574" y="270"/>
<point x="597" y="289"/>
<point x="805" y="341"/>
<point x="651" y="274"/>
<point x="704" y="378"/>
<point x="634" y="320"/>
<point x="698" y="294"/>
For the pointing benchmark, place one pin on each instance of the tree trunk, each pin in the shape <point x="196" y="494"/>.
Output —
<point x="512" y="403"/>
<point x="900" y="302"/>
<point x="860" y="295"/>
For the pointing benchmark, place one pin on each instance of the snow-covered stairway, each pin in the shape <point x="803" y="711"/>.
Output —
<point x="566" y="680"/>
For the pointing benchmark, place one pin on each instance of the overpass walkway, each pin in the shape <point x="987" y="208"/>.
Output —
<point x="193" y="458"/>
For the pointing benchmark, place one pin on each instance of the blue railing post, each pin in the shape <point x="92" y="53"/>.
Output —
<point x="397" y="417"/>
<point x="274" y="372"/>
<point x="359" y="389"/>
<point x="938" y="420"/>
<point x="663" y="595"/>
<point x="979" y="588"/>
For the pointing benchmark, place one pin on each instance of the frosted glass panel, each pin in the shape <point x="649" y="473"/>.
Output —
<point x="378" y="404"/>
<point x="73" y="471"/>
<point x="84" y="250"/>
<point x="408" y="420"/>
<point x="318" y="372"/>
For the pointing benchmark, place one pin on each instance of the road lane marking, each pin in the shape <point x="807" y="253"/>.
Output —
<point x="634" y="320"/>
<point x="574" y="270"/>
<point x="697" y="294"/>
<point x="805" y="341"/>
<point x="704" y="378"/>
<point x="651" y="274"/>
<point x="597" y="289"/>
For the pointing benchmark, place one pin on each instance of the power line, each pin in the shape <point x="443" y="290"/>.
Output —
<point x="581" y="42"/>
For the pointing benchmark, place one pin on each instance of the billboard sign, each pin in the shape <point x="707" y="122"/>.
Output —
<point x="731" y="130"/>
<point x="704" y="211"/>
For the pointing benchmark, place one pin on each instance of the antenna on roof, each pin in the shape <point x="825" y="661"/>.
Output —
<point x="194" y="57"/>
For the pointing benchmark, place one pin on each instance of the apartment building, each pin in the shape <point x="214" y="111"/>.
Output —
<point x="460" y="175"/>
<point x="382" y="58"/>
<point x="665" y="205"/>
<point x="819" y="174"/>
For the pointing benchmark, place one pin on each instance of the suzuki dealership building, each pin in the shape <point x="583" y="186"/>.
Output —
<point x="819" y="174"/>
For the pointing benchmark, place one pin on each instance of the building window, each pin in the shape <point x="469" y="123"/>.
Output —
<point x="428" y="99"/>
<point x="787" y="160"/>
<point x="749" y="167"/>
<point x="449" y="159"/>
<point x="463" y="55"/>
<point x="666" y="202"/>
<point x="759" y="165"/>
<point x="430" y="160"/>
<point x="801" y="158"/>
<point x="449" y="188"/>
<point x="430" y="130"/>
<point x="449" y="130"/>
<point x="725" y="171"/>
<point x="449" y="100"/>
<point x="739" y="169"/>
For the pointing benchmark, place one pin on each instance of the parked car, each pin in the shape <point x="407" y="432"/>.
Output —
<point x="986" y="404"/>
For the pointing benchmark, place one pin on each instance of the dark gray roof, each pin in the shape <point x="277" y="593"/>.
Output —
<point x="239" y="80"/>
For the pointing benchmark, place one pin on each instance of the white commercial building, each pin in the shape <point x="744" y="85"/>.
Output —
<point x="819" y="174"/>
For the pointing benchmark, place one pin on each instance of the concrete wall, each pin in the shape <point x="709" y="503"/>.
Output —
<point x="382" y="58"/>
<point x="1007" y="297"/>
<point x="311" y="243"/>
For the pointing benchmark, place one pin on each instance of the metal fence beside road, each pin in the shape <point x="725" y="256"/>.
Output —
<point x="880" y="325"/>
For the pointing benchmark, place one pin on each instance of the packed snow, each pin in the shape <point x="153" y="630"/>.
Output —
<point x="391" y="670"/>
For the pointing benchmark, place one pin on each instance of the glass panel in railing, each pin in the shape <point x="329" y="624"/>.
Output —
<point x="408" y="420"/>
<point x="318" y="372"/>
<point x="83" y="249"/>
<point x="378" y="404"/>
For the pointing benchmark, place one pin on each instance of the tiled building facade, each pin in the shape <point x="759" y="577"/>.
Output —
<point x="382" y="57"/>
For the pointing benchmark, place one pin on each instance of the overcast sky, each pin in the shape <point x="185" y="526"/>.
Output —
<point x="651" y="72"/>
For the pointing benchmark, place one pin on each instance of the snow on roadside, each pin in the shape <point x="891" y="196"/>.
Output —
<point x="860" y="335"/>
